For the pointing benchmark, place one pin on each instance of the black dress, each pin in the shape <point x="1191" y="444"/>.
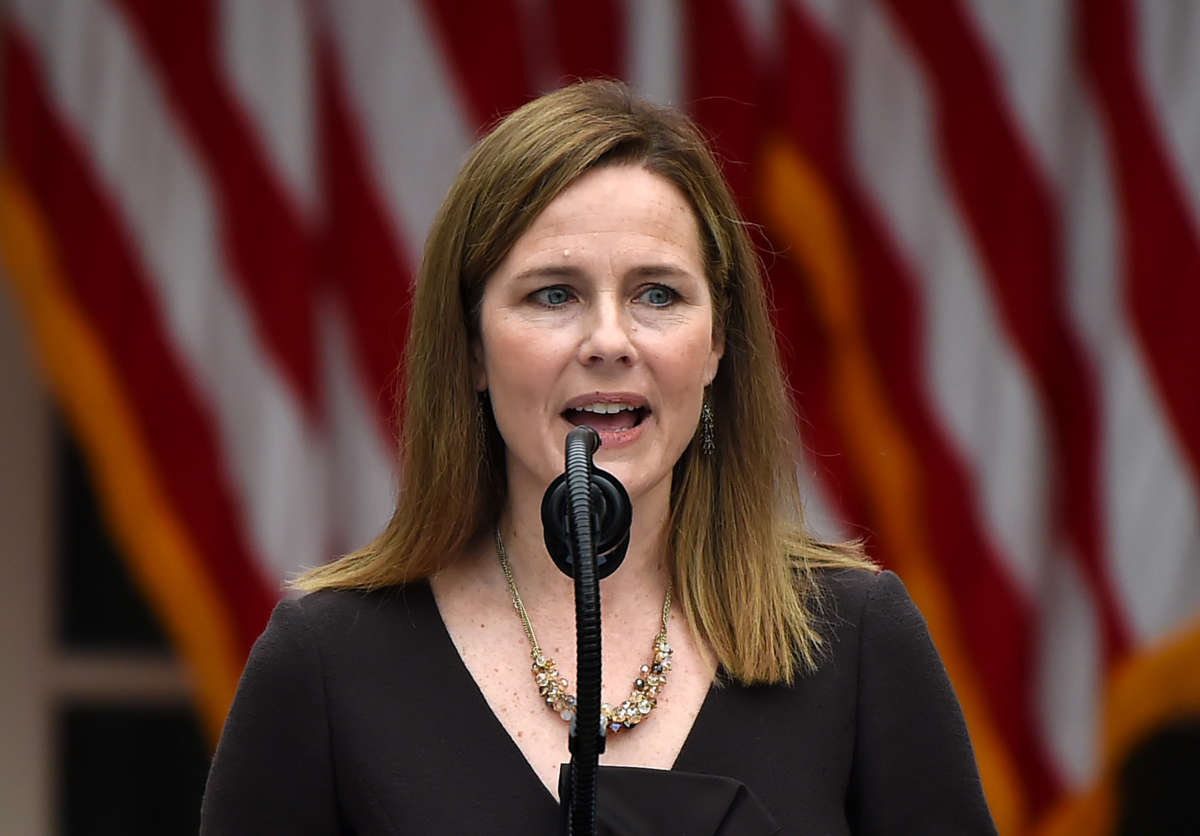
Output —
<point x="355" y="714"/>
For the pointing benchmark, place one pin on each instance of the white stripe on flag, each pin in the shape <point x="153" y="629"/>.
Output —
<point x="761" y="26"/>
<point x="361" y="459"/>
<point x="1149" y="505"/>
<point x="275" y="460"/>
<point x="1148" y="525"/>
<point x="269" y="49"/>
<point x="415" y="128"/>
<point x="977" y="384"/>
<point x="1070" y="671"/>
<point x="654" y="35"/>
<point x="1030" y="42"/>
<point x="830" y="16"/>
<point x="267" y="52"/>
<point x="1168" y="46"/>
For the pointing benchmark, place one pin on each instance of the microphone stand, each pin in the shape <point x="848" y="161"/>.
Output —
<point x="587" y="734"/>
<point x="588" y="543"/>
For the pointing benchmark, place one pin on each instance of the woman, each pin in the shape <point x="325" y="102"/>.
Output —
<point x="589" y="266"/>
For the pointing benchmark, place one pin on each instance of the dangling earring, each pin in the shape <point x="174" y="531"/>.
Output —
<point x="708" y="431"/>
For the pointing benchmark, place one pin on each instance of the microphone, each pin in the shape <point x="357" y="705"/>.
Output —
<point x="612" y="512"/>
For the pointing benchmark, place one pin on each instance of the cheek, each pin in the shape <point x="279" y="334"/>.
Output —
<point x="693" y="362"/>
<point x="502" y="340"/>
<point x="519" y="365"/>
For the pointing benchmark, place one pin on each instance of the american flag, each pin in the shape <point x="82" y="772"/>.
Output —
<point x="980" y="220"/>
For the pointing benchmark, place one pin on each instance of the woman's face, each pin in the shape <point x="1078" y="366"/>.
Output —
<point x="600" y="315"/>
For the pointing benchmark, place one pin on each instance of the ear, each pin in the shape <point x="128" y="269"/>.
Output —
<point x="714" y="358"/>
<point x="478" y="370"/>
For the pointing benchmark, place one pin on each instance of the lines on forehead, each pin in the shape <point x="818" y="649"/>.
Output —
<point x="575" y="271"/>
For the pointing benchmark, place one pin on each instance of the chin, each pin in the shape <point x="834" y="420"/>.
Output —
<point x="637" y="481"/>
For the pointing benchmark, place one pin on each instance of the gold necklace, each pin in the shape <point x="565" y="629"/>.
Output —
<point x="647" y="687"/>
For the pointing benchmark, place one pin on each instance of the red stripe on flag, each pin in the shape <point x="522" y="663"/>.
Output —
<point x="484" y="46"/>
<point x="721" y="92"/>
<point x="1014" y="223"/>
<point x="805" y="350"/>
<point x="723" y="84"/>
<point x="996" y="621"/>
<point x="589" y="38"/>
<point x="1161" y="252"/>
<point x="270" y="252"/>
<point x="109" y="282"/>
<point x="361" y="256"/>
<point x="808" y="95"/>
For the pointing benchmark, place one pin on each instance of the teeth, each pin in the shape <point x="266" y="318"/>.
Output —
<point x="606" y="408"/>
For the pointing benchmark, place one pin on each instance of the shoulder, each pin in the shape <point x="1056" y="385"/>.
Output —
<point x="914" y="768"/>
<point x="328" y="622"/>
<point x="849" y="599"/>
<point x="869" y="622"/>
<point x="357" y="609"/>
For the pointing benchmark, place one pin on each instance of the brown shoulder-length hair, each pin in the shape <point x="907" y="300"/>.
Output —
<point x="742" y="558"/>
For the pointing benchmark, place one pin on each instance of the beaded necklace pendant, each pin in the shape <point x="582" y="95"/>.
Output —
<point x="651" y="679"/>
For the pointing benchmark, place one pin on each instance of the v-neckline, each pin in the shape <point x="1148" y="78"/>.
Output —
<point x="498" y="729"/>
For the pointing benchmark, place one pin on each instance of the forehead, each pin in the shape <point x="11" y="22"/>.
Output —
<point x="623" y="200"/>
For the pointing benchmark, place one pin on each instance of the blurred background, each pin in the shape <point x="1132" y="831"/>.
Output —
<point x="981" y="224"/>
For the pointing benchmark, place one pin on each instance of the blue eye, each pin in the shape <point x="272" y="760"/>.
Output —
<point x="552" y="297"/>
<point x="658" y="296"/>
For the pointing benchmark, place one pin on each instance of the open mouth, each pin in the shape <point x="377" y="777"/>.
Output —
<point x="607" y="417"/>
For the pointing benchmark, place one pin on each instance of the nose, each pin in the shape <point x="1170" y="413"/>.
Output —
<point x="608" y="335"/>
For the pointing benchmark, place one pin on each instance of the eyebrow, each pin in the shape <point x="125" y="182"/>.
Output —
<point x="570" y="271"/>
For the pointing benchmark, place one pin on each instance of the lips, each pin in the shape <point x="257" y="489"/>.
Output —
<point x="607" y="413"/>
<point x="626" y="419"/>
